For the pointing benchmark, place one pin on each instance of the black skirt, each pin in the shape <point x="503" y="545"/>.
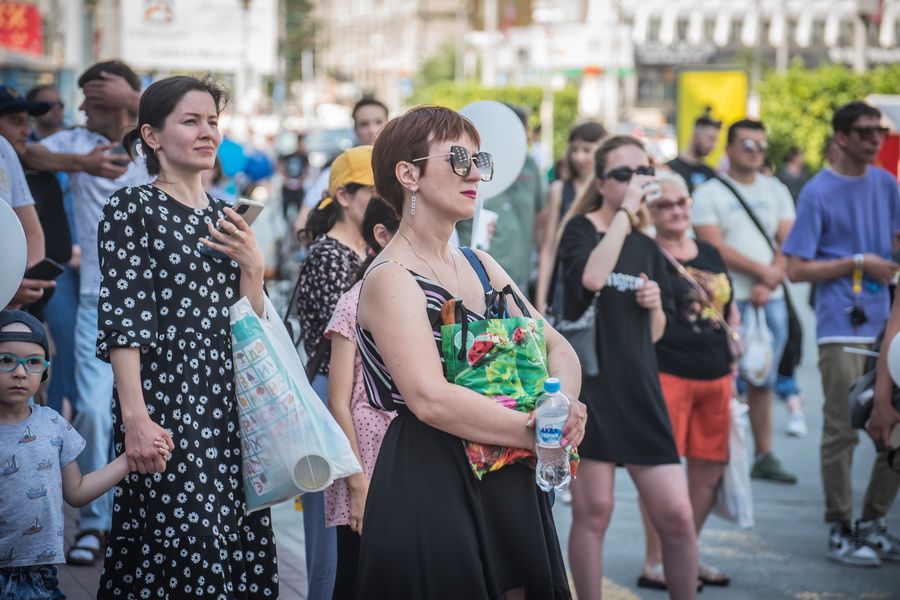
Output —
<point x="432" y="530"/>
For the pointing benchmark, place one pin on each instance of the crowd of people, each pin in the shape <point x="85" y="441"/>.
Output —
<point x="658" y="263"/>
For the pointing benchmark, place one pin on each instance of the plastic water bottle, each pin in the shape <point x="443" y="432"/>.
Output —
<point x="551" y="412"/>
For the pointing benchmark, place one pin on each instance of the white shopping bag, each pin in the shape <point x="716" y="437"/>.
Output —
<point x="290" y="443"/>
<point x="758" y="360"/>
<point x="734" y="498"/>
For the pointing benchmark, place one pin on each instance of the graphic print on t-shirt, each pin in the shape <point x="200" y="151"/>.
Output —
<point x="705" y="315"/>
<point x="623" y="282"/>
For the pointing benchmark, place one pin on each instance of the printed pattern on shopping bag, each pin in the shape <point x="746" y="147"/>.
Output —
<point x="266" y="406"/>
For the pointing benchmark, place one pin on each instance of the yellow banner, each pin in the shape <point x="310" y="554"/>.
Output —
<point x="724" y="92"/>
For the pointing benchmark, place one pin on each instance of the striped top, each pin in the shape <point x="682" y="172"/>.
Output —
<point x="380" y="387"/>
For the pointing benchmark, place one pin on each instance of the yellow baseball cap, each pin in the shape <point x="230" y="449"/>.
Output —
<point x="352" y="166"/>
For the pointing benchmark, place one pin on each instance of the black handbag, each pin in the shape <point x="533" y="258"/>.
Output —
<point x="580" y="333"/>
<point x="793" y="350"/>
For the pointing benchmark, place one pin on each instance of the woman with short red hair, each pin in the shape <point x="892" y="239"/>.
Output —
<point x="432" y="529"/>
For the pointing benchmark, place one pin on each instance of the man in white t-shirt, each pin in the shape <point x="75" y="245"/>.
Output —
<point x="99" y="167"/>
<point x="757" y="271"/>
<point x="14" y="190"/>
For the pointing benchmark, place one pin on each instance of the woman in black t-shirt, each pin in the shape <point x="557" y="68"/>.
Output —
<point x="695" y="364"/>
<point x="605" y="260"/>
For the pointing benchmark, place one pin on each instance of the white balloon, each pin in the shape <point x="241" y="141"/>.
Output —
<point x="503" y="135"/>
<point x="13" y="251"/>
<point x="894" y="359"/>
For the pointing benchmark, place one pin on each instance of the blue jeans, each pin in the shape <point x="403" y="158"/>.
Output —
<point x="28" y="583"/>
<point x="321" y="541"/>
<point x="787" y="386"/>
<point x="777" y="320"/>
<point x="60" y="314"/>
<point x="94" y="381"/>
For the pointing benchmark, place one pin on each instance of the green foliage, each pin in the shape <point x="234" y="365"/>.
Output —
<point x="797" y="106"/>
<point x="455" y="96"/>
<point x="439" y="67"/>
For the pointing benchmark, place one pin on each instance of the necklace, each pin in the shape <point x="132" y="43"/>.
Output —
<point x="433" y="272"/>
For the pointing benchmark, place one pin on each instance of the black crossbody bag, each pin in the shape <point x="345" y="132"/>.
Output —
<point x="793" y="350"/>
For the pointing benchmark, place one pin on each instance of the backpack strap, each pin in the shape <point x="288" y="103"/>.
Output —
<point x="479" y="269"/>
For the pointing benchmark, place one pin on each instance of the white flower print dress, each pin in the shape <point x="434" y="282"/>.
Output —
<point x="182" y="533"/>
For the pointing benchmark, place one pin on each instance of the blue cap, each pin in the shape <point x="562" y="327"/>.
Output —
<point x="12" y="101"/>
<point x="551" y="385"/>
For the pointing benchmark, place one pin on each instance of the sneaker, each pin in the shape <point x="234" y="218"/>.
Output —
<point x="845" y="547"/>
<point x="796" y="425"/>
<point x="769" y="467"/>
<point x="874" y="534"/>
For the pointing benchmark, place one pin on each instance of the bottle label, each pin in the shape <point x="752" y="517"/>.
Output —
<point x="548" y="432"/>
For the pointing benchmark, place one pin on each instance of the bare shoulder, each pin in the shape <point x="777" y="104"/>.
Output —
<point x="386" y="287"/>
<point x="556" y="188"/>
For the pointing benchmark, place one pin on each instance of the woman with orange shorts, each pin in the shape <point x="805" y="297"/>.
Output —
<point x="695" y="365"/>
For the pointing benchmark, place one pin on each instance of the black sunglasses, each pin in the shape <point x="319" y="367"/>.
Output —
<point x="753" y="146"/>
<point x="624" y="174"/>
<point x="869" y="132"/>
<point x="461" y="162"/>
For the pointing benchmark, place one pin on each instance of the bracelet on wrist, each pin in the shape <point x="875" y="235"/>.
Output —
<point x="632" y="218"/>
<point x="858" y="260"/>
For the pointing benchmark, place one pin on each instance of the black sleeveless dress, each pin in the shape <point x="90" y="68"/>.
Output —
<point x="432" y="530"/>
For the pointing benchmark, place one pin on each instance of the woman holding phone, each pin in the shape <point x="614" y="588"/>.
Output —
<point x="179" y="530"/>
<point x="606" y="260"/>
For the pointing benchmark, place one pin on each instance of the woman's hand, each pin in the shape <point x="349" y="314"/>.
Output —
<point x="359" y="490"/>
<point x="634" y="195"/>
<point x="573" y="432"/>
<point x="237" y="241"/>
<point x="648" y="296"/>
<point x="141" y="449"/>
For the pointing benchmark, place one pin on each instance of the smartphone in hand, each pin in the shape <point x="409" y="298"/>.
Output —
<point x="248" y="210"/>
<point x="46" y="270"/>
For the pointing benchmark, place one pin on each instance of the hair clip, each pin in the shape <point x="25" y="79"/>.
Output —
<point x="325" y="202"/>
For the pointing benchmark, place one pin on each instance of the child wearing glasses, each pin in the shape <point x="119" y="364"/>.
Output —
<point x="37" y="465"/>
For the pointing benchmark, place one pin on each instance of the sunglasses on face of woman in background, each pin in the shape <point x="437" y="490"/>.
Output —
<point x="461" y="162"/>
<point x="624" y="174"/>
<point x="664" y="204"/>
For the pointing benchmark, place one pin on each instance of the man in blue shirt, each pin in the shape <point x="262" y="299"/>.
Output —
<point x="848" y="217"/>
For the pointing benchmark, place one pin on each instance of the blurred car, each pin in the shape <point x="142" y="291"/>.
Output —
<point x="323" y="145"/>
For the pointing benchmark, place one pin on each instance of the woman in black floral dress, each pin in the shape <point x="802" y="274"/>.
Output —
<point x="179" y="530"/>
<point x="330" y="269"/>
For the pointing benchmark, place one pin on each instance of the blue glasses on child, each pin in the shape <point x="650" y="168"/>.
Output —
<point x="32" y="364"/>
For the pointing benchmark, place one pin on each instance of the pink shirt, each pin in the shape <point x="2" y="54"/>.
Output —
<point x="369" y="423"/>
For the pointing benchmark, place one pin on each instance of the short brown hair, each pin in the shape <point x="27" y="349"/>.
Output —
<point x="407" y="137"/>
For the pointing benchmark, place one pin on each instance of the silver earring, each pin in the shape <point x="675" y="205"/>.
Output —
<point x="412" y="206"/>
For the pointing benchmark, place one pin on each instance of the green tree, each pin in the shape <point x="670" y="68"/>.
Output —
<point x="797" y="106"/>
<point x="441" y="66"/>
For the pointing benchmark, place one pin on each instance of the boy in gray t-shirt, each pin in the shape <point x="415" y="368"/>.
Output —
<point x="37" y="465"/>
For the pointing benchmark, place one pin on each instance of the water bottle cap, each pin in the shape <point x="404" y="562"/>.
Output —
<point x="551" y="385"/>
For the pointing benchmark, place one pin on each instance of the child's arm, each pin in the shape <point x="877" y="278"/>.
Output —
<point x="79" y="489"/>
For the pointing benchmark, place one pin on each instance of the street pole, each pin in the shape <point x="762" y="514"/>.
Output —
<point x="489" y="59"/>
<point x="860" y="43"/>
